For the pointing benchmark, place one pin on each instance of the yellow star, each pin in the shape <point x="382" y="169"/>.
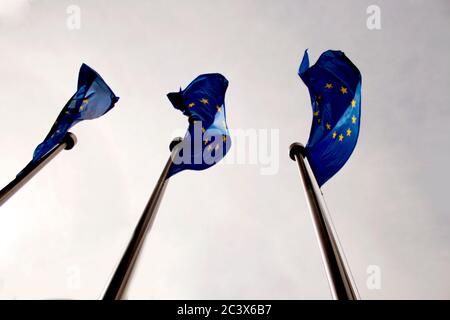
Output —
<point x="329" y="86"/>
<point x="190" y="105"/>
<point x="204" y="101"/>
<point x="328" y="126"/>
<point x="224" y="138"/>
<point x="334" y="135"/>
<point x="316" y="114"/>
<point x="349" y="132"/>
<point x="344" y="90"/>
<point x="203" y="130"/>
<point x="218" y="108"/>
<point x="341" y="137"/>
<point x="85" y="101"/>
<point x="353" y="103"/>
<point x="353" y="119"/>
<point x="206" y="142"/>
<point x="318" y="120"/>
<point x="82" y="107"/>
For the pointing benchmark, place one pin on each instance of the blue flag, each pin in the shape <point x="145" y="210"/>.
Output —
<point x="92" y="100"/>
<point x="207" y="139"/>
<point x="334" y="84"/>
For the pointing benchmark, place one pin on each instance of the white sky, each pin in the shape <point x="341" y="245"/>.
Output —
<point x="248" y="235"/>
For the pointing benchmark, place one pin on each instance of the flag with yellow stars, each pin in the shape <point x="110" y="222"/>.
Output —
<point x="207" y="139"/>
<point x="334" y="84"/>
<point x="92" y="99"/>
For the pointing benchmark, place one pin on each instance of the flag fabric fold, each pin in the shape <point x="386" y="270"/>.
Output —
<point x="334" y="85"/>
<point x="207" y="139"/>
<point x="92" y="99"/>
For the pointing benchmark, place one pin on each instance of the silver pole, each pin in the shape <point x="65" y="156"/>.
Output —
<point x="119" y="281"/>
<point x="30" y="171"/>
<point x="338" y="278"/>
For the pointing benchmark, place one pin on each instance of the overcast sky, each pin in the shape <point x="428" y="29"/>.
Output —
<point x="231" y="231"/>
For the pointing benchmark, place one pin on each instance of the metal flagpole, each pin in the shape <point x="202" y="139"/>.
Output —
<point x="119" y="281"/>
<point x="338" y="278"/>
<point x="30" y="171"/>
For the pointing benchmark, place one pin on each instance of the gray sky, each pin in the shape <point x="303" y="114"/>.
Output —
<point x="248" y="235"/>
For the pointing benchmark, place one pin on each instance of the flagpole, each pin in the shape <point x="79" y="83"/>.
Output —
<point x="70" y="140"/>
<point x="338" y="277"/>
<point x="119" y="281"/>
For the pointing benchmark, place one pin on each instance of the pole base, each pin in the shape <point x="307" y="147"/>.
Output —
<point x="296" y="148"/>
<point x="70" y="140"/>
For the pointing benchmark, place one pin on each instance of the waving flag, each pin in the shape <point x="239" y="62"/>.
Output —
<point x="334" y="84"/>
<point x="207" y="139"/>
<point x="92" y="100"/>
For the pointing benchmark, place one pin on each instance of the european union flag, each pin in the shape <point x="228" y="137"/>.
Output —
<point x="334" y="84"/>
<point x="207" y="139"/>
<point x="92" y="100"/>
